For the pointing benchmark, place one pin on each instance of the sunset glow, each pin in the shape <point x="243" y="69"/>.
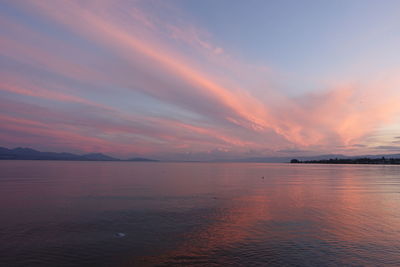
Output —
<point x="181" y="80"/>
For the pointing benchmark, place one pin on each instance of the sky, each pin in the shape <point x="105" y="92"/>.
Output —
<point x="200" y="80"/>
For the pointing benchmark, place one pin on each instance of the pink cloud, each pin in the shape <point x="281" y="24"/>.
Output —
<point x="146" y="57"/>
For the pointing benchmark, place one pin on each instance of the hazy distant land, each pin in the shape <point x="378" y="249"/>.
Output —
<point x="21" y="153"/>
<point x="365" y="160"/>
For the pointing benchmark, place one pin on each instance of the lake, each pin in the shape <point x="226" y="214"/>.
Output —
<point x="198" y="214"/>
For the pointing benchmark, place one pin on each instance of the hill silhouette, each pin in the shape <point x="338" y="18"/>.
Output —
<point x="24" y="153"/>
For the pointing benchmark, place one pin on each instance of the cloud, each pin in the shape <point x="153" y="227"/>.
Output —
<point x="129" y="78"/>
<point x="293" y="151"/>
<point x="390" y="148"/>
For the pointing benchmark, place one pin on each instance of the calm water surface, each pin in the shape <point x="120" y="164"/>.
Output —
<point x="200" y="214"/>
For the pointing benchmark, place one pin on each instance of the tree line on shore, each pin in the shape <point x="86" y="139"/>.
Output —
<point x="381" y="160"/>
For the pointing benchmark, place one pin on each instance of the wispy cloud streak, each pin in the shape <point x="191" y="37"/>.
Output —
<point x="124" y="78"/>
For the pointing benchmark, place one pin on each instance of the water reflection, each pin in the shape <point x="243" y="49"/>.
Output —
<point x="199" y="214"/>
<point x="335" y="217"/>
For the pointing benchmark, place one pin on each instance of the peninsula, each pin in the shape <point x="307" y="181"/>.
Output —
<point x="382" y="160"/>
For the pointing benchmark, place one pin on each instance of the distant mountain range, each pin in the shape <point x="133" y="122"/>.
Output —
<point x="21" y="153"/>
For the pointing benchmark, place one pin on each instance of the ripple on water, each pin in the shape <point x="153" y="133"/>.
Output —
<point x="198" y="214"/>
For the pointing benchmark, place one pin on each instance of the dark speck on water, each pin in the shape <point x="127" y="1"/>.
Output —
<point x="56" y="213"/>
